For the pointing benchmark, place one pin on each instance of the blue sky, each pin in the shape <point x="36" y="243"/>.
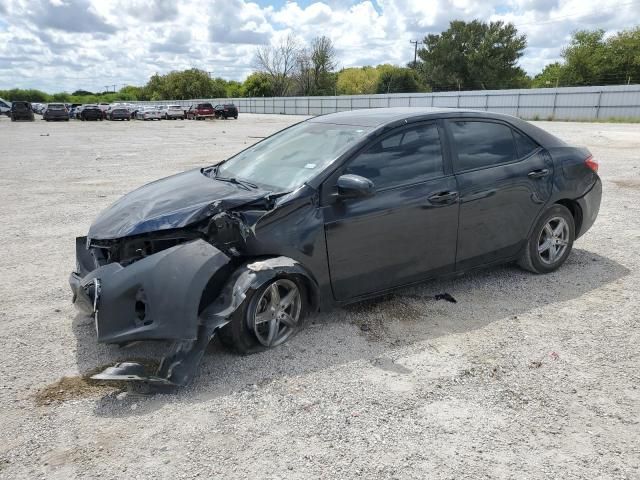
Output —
<point x="60" y="45"/>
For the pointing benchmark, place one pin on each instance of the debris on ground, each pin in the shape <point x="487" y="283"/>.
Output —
<point x="446" y="296"/>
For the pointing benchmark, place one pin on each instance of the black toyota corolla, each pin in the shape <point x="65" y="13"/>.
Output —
<point x="332" y="210"/>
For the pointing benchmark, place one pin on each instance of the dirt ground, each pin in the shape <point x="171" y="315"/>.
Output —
<point x="524" y="377"/>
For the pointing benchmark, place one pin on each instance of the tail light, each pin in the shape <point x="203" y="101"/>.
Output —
<point x="591" y="163"/>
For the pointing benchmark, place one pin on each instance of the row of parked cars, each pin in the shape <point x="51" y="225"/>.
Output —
<point x="118" y="111"/>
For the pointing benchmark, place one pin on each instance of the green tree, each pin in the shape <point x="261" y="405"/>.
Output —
<point x="62" y="97"/>
<point x="549" y="77"/>
<point x="357" y="81"/>
<point x="592" y="59"/>
<point x="29" y="95"/>
<point x="472" y="55"/>
<point x="258" y="84"/>
<point x="394" y="79"/>
<point x="234" y="89"/>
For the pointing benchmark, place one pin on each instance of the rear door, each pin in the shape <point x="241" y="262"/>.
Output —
<point x="504" y="179"/>
<point x="404" y="232"/>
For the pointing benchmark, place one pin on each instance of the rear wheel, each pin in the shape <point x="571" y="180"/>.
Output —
<point x="551" y="241"/>
<point x="269" y="316"/>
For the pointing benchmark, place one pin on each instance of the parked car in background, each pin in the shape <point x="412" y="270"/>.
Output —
<point x="149" y="113"/>
<point x="104" y="107"/>
<point x="77" y="112"/>
<point x="56" y="111"/>
<point x="21" y="111"/>
<point x="227" y="110"/>
<point x="174" y="112"/>
<point x="200" y="111"/>
<point x="73" y="110"/>
<point x="91" y="112"/>
<point x="119" y="113"/>
<point x="5" y="107"/>
<point x="38" y="108"/>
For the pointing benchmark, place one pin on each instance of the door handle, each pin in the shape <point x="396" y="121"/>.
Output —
<point x="543" y="172"/>
<point x="444" y="197"/>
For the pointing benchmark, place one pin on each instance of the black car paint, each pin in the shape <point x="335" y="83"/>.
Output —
<point x="21" y="111"/>
<point x="344" y="249"/>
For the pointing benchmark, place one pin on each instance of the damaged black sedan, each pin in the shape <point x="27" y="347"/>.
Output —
<point x="332" y="210"/>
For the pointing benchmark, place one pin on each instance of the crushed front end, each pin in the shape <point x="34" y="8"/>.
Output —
<point x="153" y="295"/>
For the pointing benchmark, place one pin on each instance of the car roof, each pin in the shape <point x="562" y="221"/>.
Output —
<point x="380" y="117"/>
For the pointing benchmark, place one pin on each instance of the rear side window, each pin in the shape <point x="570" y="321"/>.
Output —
<point x="482" y="144"/>
<point x="410" y="156"/>
<point x="524" y="144"/>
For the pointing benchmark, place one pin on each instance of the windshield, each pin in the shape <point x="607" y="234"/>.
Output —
<point x="291" y="157"/>
<point x="56" y="106"/>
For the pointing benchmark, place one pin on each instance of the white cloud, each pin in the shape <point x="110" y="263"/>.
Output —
<point x="69" y="44"/>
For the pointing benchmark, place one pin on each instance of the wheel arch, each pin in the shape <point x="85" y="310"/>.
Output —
<point x="576" y="212"/>
<point x="227" y="289"/>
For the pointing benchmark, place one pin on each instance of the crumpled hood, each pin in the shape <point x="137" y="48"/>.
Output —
<point x="172" y="202"/>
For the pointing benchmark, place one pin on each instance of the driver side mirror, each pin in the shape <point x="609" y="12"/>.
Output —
<point x="355" y="186"/>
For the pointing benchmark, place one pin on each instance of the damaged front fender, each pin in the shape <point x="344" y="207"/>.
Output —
<point x="180" y="364"/>
<point x="155" y="298"/>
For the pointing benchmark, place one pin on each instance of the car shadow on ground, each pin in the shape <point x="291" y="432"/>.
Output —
<point x="367" y="331"/>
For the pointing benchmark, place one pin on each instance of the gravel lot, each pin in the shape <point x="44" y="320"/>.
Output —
<point x="525" y="377"/>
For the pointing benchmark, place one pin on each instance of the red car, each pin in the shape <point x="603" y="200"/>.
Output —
<point x="199" y="111"/>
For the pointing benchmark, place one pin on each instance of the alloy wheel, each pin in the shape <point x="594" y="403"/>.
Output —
<point x="553" y="240"/>
<point x="277" y="312"/>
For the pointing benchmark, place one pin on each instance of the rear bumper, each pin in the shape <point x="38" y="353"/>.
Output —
<point x="156" y="298"/>
<point x="590" y="206"/>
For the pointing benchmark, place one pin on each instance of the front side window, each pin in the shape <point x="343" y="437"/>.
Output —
<point x="482" y="144"/>
<point x="409" y="156"/>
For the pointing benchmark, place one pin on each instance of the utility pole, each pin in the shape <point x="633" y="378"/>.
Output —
<point x="415" y="50"/>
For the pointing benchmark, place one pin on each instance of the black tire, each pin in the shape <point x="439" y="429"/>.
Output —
<point x="238" y="335"/>
<point x="236" y="117"/>
<point x="535" y="261"/>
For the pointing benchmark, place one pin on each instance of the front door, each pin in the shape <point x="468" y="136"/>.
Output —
<point x="408" y="229"/>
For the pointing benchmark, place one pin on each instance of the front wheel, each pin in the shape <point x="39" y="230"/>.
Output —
<point x="551" y="241"/>
<point x="269" y="316"/>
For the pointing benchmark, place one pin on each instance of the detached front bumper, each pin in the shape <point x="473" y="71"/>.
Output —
<point x="155" y="298"/>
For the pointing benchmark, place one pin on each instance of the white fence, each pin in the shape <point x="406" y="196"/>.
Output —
<point x="568" y="103"/>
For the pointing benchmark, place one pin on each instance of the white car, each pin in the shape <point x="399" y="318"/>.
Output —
<point x="149" y="113"/>
<point x="173" y="112"/>
<point x="5" y="107"/>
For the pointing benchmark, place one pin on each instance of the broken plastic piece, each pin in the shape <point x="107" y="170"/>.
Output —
<point x="447" y="297"/>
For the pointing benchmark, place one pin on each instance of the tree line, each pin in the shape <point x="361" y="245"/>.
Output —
<point x="467" y="56"/>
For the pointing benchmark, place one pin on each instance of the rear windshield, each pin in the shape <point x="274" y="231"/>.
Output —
<point x="229" y="105"/>
<point x="204" y="105"/>
<point x="175" y="106"/>
<point x="55" y="106"/>
<point x="20" y="106"/>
